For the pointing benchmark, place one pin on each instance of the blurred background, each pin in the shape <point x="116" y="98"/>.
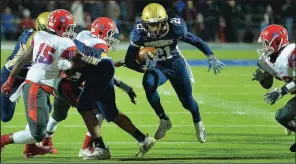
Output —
<point x="212" y="20"/>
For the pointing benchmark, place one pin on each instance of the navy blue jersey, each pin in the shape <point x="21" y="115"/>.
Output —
<point x="20" y="48"/>
<point x="167" y="44"/>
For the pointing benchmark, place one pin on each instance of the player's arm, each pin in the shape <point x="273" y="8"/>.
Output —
<point x="126" y="88"/>
<point x="264" y="78"/>
<point x="89" y="54"/>
<point x="24" y="59"/>
<point x="192" y="39"/>
<point x="130" y="59"/>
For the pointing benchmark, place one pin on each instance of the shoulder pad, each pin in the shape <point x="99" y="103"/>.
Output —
<point x="177" y="26"/>
<point x="29" y="41"/>
<point x="137" y="34"/>
<point x="25" y="35"/>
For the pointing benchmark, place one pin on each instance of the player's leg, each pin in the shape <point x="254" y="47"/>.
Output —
<point x="286" y="115"/>
<point x="7" y="107"/>
<point x="110" y="112"/>
<point x="60" y="113"/>
<point x="182" y="85"/>
<point x="151" y="81"/>
<point x="35" y="99"/>
<point x="95" y="84"/>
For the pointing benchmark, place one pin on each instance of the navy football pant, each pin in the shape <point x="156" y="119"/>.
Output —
<point x="175" y="71"/>
<point x="98" y="80"/>
<point x="8" y="107"/>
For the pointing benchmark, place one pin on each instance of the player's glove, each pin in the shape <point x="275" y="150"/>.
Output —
<point x="119" y="63"/>
<point x="258" y="75"/>
<point x="7" y="86"/>
<point x="150" y="60"/>
<point x="64" y="64"/>
<point x="129" y="90"/>
<point x="216" y="64"/>
<point x="274" y="95"/>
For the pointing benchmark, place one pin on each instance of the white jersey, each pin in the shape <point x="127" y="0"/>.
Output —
<point x="91" y="41"/>
<point x="47" y="50"/>
<point x="284" y="66"/>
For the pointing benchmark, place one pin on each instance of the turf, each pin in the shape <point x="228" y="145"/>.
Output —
<point x="241" y="128"/>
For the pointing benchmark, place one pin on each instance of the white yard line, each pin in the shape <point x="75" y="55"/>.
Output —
<point x="152" y="126"/>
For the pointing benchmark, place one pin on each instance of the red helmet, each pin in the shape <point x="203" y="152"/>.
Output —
<point x="62" y="23"/>
<point x="273" y="38"/>
<point x="105" y="29"/>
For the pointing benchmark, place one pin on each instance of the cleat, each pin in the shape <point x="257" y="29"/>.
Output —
<point x="32" y="150"/>
<point x="164" y="126"/>
<point x="288" y="132"/>
<point x="94" y="153"/>
<point x="4" y="141"/>
<point x="146" y="146"/>
<point x="201" y="134"/>
<point x="48" y="142"/>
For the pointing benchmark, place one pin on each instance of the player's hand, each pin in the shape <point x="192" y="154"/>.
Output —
<point x="119" y="63"/>
<point x="64" y="64"/>
<point x="274" y="95"/>
<point x="132" y="94"/>
<point x="7" y="86"/>
<point x="258" y="75"/>
<point x="216" y="64"/>
<point x="150" y="62"/>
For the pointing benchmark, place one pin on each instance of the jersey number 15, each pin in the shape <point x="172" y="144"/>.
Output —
<point x="46" y="50"/>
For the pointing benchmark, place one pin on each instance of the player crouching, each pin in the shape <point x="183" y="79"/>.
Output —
<point x="278" y="59"/>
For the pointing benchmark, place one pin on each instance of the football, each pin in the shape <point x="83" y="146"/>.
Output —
<point x="140" y="59"/>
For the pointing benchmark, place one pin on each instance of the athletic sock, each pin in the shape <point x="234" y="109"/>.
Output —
<point x="139" y="136"/>
<point x="23" y="137"/>
<point x="99" y="142"/>
<point x="163" y="116"/>
<point x="88" y="142"/>
<point x="5" y="139"/>
<point x="51" y="127"/>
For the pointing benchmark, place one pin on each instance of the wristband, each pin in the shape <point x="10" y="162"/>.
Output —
<point x="289" y="87"/>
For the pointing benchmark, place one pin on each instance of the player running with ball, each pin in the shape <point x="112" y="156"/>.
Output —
<point x="159" y="30"/>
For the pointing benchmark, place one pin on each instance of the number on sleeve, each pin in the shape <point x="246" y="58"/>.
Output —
<point x="47" y="52"/>
<point x="140" y="27"/>
<point x="175" y="20"/>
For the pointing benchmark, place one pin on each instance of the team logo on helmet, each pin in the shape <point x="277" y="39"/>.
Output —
<point x="63" y="19"/>
<point x="275" y="34"/>
<point x="102" y="27"/>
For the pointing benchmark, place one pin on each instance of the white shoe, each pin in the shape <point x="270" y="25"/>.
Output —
<point x="288" y="132"/>
<point x="94" y="153"/>
<point x="164" y="126"/>
<point x="201" y="134"/>
<point x="146" y="146"/>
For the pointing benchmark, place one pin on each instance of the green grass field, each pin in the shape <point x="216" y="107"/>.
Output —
<point x="241" y="127"/>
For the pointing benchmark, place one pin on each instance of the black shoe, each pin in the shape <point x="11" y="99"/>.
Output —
<point x="293" y="148"/>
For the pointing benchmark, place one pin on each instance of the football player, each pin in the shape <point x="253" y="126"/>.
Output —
<point x="278" y="60"/>
<point x="47" y="47"/>
<point x="162" y="31"/>
<point x="23" y="44"/>
<point x="99" y="88"/>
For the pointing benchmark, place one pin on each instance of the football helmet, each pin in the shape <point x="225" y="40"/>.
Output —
<point x="154" y="20"/>
<point x="42" y="21"/>
<point x="105" y="29"/>
<point x="62" y="23"/>
<point x="273" y="38"/>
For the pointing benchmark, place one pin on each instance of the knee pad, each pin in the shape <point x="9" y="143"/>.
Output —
<point x="150" y="81"/>
<point x="280" y="117"/>
<point x="38" y="134"/>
